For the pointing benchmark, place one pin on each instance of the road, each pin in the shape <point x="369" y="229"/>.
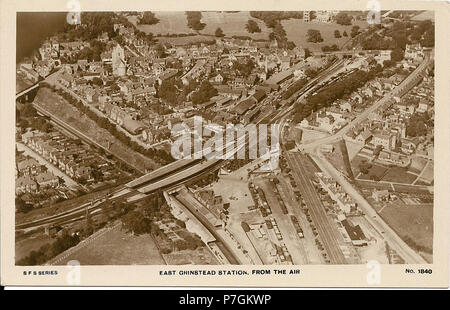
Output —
<point x="27" y="151"/>
<point x="327" y="230"/>
<point x="406" y="83"/>
<point x="395" y="242"/>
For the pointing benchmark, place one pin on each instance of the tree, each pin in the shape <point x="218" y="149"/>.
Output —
<point x="428" y="38"/>
<point x="204" y="93"/>
<point x="331" y="48"/>
<point x="314" y="36"/>
<point x="355" y="31"/>
<point x="252" y="26"/>
<point x="22" y="206"/>
<point x="148" y="18"/>
<point x="345" y="34"/>
<point x="397" y="54"/>
<point x="307" y="53"/>
<point x="219" y="33"/>
<point x="244" y="69"/>
<point x="364" y="167"/>
<point x="416" y="126"/>
<point x="97" y="81"/>
<point x="194" y="20"/>
<point x="290" y="45"/>
<point x="337" y="34"/>
<point x="343" y="19"/>
<point x="28" y="111"/>
<point x="134" y="221"/>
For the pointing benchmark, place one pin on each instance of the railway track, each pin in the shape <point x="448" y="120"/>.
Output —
<point x="221" y="244"/>
<point x="324" y="226"/>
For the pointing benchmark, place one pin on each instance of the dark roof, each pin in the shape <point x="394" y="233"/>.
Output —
<point x="244" y="106"/>
<point x="278" y="77"/>
<point x="259" y="95"/>
<point x="354" y="232"/>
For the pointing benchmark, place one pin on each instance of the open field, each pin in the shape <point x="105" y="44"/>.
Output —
<point x="118" y="247"/>
<point x="309" y="135"/>
<point x="428" y="174"/>
<point x="399" y="175"/>
<point x="355" y="164"/>
<point x="199" y="256"/>
<point x="353" y="149"/>
<point x="373" y="185"/>
<point x="376" y="171"/>
<point x="424" y="16"/>
<point x="296" y="31"/>
<point x="411" y="222"/>
<point x="169" y="22"/>
<point x="33" y="243"/>
<point x="232" y="24"/>
<point x="380" y="172"/>
<point x="417" y="164"/>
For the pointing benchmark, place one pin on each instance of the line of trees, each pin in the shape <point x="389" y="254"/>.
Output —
<point x="339" y="89"/>
<point x="331" y="48"/>
<point x="294" y="88"/>
<point x="401" y="33"/>
<point x="273" y="21"/>
<point x="159" y="155"/>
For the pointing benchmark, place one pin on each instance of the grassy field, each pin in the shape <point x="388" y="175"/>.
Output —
<point x="417" y="164"/>
<point x="368" y="186"/>
<point x="424" y="16"/>
<point x="199" y="256"/>
<point x="296" y="31"/>
<point x="399" y="175"/>
<point x="233" y="24"/>
<point x="33" y="243"/>
<point x="118" y="247"/>
<point x="375" y="170"/>
<point x="428" y="174"/>
<point x="410" y="221"/>
<point x="175" y="22"/>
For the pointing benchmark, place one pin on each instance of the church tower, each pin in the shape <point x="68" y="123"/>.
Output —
<point x="118" y="61"/>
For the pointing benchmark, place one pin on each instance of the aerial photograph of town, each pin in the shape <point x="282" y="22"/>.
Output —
<point x="224" y="138"/>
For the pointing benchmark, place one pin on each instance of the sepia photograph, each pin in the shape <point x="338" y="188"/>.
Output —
<point x="265" y="138"/>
